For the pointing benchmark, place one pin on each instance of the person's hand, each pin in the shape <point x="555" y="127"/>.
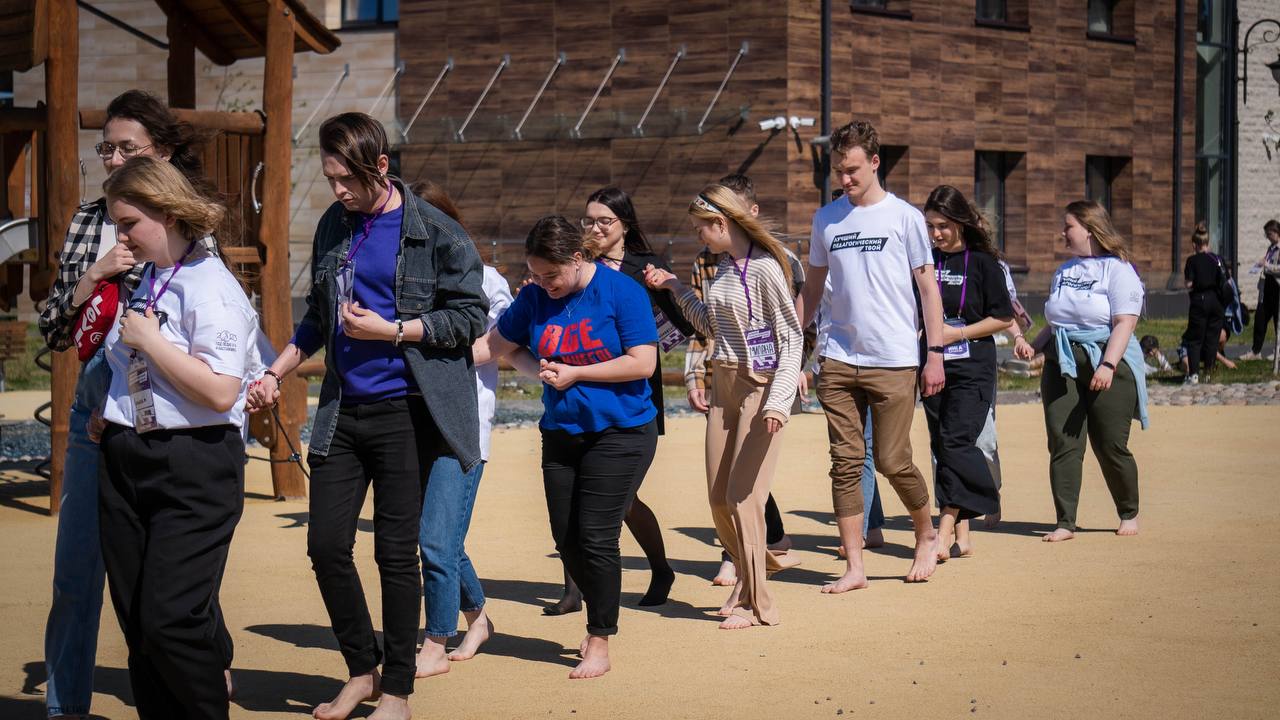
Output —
<point x="951" y="335"/>
<point x="773" y="425"/>
<point x="137" y="331"/>
<point x="658" y="279"/>
<point x="557" y="375"/>
<point x="698" y="400"/>
<point x="1101" y="379"/>
<point x="263" y="393"/>
<point x="933" y="377"/>
<point x="1022" y="349"/>
<point x="116" y="260"/>
<point x="802" y="387"/>
<point x="364" y="324"/>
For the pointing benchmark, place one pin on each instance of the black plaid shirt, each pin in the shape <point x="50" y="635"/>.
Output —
<point x="80" y="251"/>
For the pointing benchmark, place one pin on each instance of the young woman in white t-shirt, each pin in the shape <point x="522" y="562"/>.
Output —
<point x="1093" y="383"/>
<point x="173" y="487"/>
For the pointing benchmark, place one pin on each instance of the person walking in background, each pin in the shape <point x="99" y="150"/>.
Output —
<point x="396" y="301"/>
<point x="1093" y="383"/>
<point x="877" y="249"/>
<point x="179" y="360"/>
<point x="1268" y="312"/>
<point x="1206" y="281"/>
<point x="592" y="331"/>
<point x="137" y="125"/>
<point x="975" y="306"/>
<point x="750" y="316"/>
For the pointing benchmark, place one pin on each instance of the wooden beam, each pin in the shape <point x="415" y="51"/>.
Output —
<point x="62" y="194"/>
<point x="22" y="119"/>
<point x="211" y="48"/>
<point x="236" y="123"/>
<point x="241" y="21"/>
<point x="182" y="59"/>
<point x="277" y="306"/>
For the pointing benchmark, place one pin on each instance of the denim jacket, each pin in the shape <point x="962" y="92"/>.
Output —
<point x="439" y="280"/>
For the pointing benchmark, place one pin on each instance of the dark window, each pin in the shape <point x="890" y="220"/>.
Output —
<point x="1112" y="20"/>
<point x="6" y="89"/>
<point x="358" y="13"/>
<point x="890" y="8"/>
<point x="893" y="167"/>
<point x="878" y="4"/>
<point x="992" y="191"/>
<point x="993" y="10"/>
<point x="1215" y="117"/>
<point x="1100" y="173"/>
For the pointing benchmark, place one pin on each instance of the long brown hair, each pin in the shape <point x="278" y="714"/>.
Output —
<point x="1094" y="218"/>
<point x="161" y="186"/>
<point x="951" y="204"/>
<point x="734" y="209"/>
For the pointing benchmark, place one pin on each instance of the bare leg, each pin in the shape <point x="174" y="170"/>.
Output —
<point x="963" y="539"/>
<point x="231" y="686"/>
<point x="1128" y="527"/>
<point x="855" y="576"/>
<point x="946" y="532"/>
<point x="732" y="602"/>
<point x="926" y="560"/>
<point x="1059" y="535"/>
<point x="432" y="659"/>
<point x="357" y="690"/>
<point x="479" y="629"/>
<point x="570" y="602"/>
<point x="392" y="707"/>
<point x="595" y="659"/>
<point x="736" y="622"/>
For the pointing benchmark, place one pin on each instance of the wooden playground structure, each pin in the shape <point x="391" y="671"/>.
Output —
<point x="39" y="159"/>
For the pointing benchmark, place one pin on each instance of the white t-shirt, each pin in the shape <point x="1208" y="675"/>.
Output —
<point x="499" y="294"/>
<point x="208" y="317"/>
<point x="1088" y="291"/>
<point x="870" y="253"/>
<point x="107" y="239"/>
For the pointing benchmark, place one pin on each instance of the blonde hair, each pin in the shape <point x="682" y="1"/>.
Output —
<point x="1200" y="236"/>
<point x="733" y="208"/>
<point x="1094" y="218"/>
<point x="159" y="185"/>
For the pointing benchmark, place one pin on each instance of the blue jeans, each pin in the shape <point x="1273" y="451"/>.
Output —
<point x="873" y="518"/>
<point x="449" y="581"/>
<point x="71" y="635"/>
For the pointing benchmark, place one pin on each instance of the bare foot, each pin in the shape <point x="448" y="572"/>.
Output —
<point x="595" y="659"/>
<point x="874" y="539"/>
<point x="851" y="580"/>
<point x="926" y="560"/>
<point x="965" y="547"/>
<point x="357" y="690"/>
<point x="992" y="520"/>
<point x="736" y="622"/>
<point x="734" y="598"/>
<point x="431" y="659"/>
<point x="392" y="707"/>
<point x="782" y="545"/>
<point x="1058" y="535"/>
<point x="727" y="575"/>
<point x="1128" y="527"/>
<point x="944" y="548"/>
<point x="231" y="686"/>
<point x="479" y="629"/>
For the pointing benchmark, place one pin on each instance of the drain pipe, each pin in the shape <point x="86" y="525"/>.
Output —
<point x="1175" y="277"/>
<point x="825" y="130"/>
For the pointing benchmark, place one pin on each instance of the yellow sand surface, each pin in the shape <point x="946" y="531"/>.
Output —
<point x="1179" y="622"/>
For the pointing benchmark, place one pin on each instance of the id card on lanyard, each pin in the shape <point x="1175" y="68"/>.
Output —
<point x="138" y="374"/>
<point x="669" y="336"/>
<point x="957" y="350"/>
<point x="346" y="275"/>
<point x="762" y="347"/>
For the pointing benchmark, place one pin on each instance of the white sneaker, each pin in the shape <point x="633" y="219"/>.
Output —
<point x="1250" y="356"/>
<point x="1192" y="379"/>
<point x="1270" y="357"/>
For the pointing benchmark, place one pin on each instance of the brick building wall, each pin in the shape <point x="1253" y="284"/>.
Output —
<point x="1259" y="176"/>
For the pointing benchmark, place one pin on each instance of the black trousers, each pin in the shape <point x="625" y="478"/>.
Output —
<point x="589" y="481"/>
<point x="956" y="417"/>
<point x="1268" y="312"/>
<point x="390" y="444"/>
<point x="1204" y="326"/>
<point x="169" y="502"/>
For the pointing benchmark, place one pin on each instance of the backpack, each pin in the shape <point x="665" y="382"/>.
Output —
<point x="1222" y="287"/>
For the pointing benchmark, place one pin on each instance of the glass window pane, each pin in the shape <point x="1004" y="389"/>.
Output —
<point x="1211" y="83"/>
<point x="1211" y="21"/>
<point x="390" y="10"/>
<point x="1211" y="205"/>
<point x="992" y="10"/>
<point x="1100" y="16"/>
<point x="988" y="190"/>
<point x="1097" y="180"/>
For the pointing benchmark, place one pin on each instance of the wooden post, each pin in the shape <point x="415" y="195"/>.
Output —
<point x="277" y="306"/>
<point x="182" y="59"/>
<point x="62" y="193"/>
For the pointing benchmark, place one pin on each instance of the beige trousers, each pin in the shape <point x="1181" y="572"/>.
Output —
<point x="741" y="457"/>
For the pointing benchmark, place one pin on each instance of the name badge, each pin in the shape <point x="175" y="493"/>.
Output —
<point x="346" y="278"/>
<point x="669" y="336"/>
<point x="958" y="350"/>
<point x="144" y="402"/>
<point x="762" y="350"/>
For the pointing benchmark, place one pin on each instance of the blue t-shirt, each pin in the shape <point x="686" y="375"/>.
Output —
<point x="599" y="323"/>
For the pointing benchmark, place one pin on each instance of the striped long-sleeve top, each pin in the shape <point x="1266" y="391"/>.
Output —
<point x="724" y="318"/>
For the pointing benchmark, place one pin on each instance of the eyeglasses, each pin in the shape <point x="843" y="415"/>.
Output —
<point x="604" y="223"/>
<point x="106" y="150"/>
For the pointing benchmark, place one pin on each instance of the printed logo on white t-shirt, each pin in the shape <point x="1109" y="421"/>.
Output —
<point x="1076" y="283"/>
<point x="856" y="241"/>
<point x="227" y="340"/>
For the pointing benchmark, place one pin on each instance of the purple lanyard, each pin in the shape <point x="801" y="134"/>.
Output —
<point x="742" y="275"/>
<point x="368" y="226"/>
<point x="964" y="281"/>
<point x="153" y="297"/>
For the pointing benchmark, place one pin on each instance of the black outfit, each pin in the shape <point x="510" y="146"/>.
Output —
<point x="1268" y="311"/>
<point x="956" y="415"/>
<point x="1205" y="313"/>
<point x="633" y="267"/>
<point x="590" y="479"/>
<point x="392" y="445"/>
<point x="169" y="502"/>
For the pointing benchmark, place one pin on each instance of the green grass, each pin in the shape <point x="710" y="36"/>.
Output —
<point x="22" y="373"/>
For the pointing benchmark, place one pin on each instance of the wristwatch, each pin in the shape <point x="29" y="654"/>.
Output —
<point x="399" y="333"/>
